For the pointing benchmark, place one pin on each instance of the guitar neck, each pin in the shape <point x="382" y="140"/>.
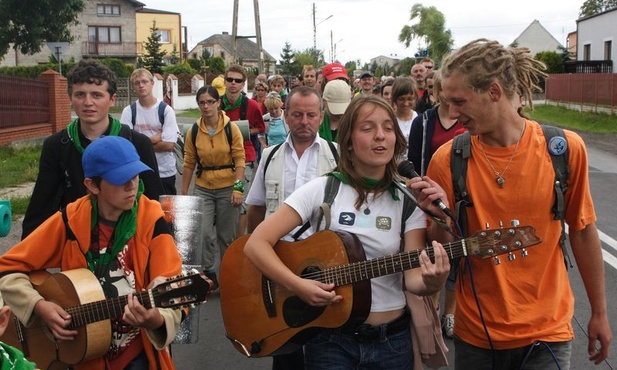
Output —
<point x="386" y="265"/>
<point x="105" y="309"/>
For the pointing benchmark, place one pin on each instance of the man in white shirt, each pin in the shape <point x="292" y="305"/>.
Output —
<point x="157" y="122"/>
<point x="301" y="158"/>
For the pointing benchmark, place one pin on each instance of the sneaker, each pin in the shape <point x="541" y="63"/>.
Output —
<point x="211" y="274"/>
<point x="447" y="325"/>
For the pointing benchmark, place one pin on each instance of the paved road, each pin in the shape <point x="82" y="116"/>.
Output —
<point x="213" y="350"/>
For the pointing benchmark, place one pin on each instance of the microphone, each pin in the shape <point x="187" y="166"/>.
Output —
<point x="406" y="169"/>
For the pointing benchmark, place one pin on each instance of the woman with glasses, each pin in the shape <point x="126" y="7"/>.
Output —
<point x="404" y="97"/>
<point x="276" y="128"/>
<point x="217" y="158"/>
<point x="261" y="90"/>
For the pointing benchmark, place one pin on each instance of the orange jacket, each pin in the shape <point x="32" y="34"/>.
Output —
<point x="48" y="247"/>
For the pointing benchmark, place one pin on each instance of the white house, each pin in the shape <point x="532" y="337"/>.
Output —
<point x="537" y="39"/>
<point x="596" y="36"/>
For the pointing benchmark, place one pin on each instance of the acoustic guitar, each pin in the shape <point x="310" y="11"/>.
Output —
<point x="81" y="295"/>
<point x="262" y="318"/>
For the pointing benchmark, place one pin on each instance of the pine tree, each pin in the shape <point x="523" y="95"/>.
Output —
<point x="153" y="58"/>
<point x="175" y="56"/>
<point x="287" y="57"/>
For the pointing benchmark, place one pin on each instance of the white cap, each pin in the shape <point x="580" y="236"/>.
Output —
<point x="338" y="95"/>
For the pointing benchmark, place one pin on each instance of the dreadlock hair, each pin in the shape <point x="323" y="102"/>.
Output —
<point x="483" y="61"/>
<point x="345" y="130"/>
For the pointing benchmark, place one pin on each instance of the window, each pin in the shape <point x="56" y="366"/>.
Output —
<point x="608" y="50"/>
<point x="165" y="36"/>
<point x="104" y="35"/>
<point x="587" y="52"/>
<point x="109" y="10"/>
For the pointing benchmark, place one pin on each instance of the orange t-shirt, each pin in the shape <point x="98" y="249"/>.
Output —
<point x="530" y="298"/>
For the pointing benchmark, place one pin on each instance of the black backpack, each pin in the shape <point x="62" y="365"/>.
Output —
<point x="200" y="168"/>
<point x="461" y="151"/>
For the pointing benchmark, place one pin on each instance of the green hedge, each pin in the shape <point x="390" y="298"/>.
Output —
<point x="121" y="69"/>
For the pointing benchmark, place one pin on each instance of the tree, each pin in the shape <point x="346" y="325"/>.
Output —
<point x="591" y="7"/>
<point x="430" y="29"/>
<point x="553" y="61"/>
<point x="175" y="56"/>
<point x="153" y="58"/>
<point x="217" y="65"/>
<point x="27" y="24"/>
<point x="287" y="57"/>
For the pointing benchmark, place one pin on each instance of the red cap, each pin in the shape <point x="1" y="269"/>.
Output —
<point x="333" y="71"/>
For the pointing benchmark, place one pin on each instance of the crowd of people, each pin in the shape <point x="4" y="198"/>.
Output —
<point x="265" y="162"/>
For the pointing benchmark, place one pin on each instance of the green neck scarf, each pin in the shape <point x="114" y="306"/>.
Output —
<point x="228" y="107"/>
<point x="124" y="230"/>
<point x="73" y="131"/>
<point x="368" y="184"/>
<point x="12" y="359"/>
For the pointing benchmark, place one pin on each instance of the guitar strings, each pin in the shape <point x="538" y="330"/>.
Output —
<point x="362" y="270"/>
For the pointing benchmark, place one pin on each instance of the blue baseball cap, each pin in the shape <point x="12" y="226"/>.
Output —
<point x="113" y="158"/>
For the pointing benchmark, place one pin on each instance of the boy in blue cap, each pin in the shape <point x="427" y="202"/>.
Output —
<point x="121" y="236"/>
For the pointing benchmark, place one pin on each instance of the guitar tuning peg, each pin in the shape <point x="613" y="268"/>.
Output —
<point x="511" y="256"/>
<point x="496" y="261"/>
<point x="524" y="252"/>
<point x="514" y="223"/>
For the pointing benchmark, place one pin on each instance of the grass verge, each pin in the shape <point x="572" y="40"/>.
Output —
<point x="19" y="166"/>
<point x="575" y="120"/>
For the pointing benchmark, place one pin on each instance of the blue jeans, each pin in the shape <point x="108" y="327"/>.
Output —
<point x="332" y="350"/>
<point x="538" y="356"/>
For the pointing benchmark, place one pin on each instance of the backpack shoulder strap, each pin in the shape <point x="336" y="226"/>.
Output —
<point x="133" y="113"/>
<point x="194" y="129"/>
<point x="333" y="150"/>
<point x="270" y="155"/>
<point x="228" y="134"/>
<point x="244" y="107"/>
<point x="332" y="186"/>
<point x="69" y="233"/>
<point x="557" y="146"/>
<point x="461" y="151"/>
<point x="162" y="107"/>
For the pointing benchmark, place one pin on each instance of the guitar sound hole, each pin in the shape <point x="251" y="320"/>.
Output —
<point x="296" y="312"/>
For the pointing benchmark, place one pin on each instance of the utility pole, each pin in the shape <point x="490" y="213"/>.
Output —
<point x="314" y="30"/>
<point x="260" y="63"/>
<point x="235" y="37"/>
<point x="234" y="33"/>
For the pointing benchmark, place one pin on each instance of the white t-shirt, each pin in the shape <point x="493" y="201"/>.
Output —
<point x="379" y="231"/>
<point x="147" y="122"/>
<point x="406" y="126"/>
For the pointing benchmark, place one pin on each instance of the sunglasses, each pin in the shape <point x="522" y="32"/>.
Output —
<point x="236" y="80"/>
<point x="430" y="86"/>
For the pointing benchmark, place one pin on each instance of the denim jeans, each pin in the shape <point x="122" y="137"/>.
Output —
<point x="538" y="356"/>
<point x="332" y="350"/>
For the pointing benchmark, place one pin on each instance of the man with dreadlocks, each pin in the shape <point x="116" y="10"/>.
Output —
<point x="516" y="315"/>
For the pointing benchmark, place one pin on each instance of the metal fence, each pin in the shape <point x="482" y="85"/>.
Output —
<point x="23" y="101"/>
<point x="595" y="91"/>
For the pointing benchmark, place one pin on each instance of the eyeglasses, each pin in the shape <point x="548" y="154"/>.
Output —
<point x="430" y="86"/>
<point x="260" y="90"/>
<point x="206" y="102"/>
<point x="429" y="67"/>
<point x="236" y="80"/>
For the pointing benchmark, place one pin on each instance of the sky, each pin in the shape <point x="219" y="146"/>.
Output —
<point x="363" y="29"/>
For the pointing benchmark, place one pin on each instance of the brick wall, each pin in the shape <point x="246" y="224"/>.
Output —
<point x="59" y="113"/>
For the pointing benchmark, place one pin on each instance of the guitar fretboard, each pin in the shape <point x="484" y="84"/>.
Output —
<point x="386" y="265"/>
<point x="103" y="310"/>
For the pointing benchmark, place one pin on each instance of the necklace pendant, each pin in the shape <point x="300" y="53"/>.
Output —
<point x="500" y="181"/>
<point x="367" y="211"/>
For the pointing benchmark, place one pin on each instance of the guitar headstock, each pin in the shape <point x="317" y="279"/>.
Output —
<point x="182" y="291"/>
<point x="495" y="242"/>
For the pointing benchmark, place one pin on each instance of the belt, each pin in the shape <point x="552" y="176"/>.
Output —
<point x="368" y="333"/>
